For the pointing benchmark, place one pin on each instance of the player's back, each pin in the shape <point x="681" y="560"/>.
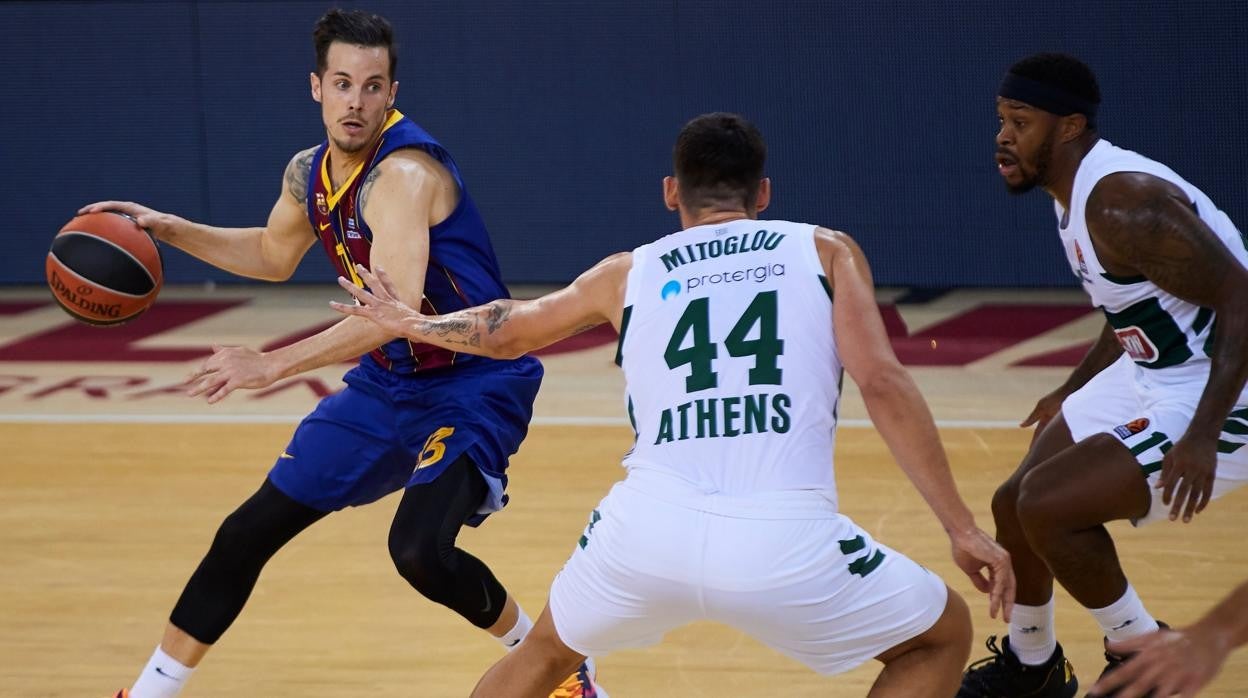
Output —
<point x="730" y="362"/>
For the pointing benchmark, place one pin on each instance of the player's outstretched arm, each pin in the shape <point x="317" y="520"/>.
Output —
<point x="1144" y="225"/>
<point x="504" y="328"/>
<point x="901" y="416"/>
<point x="270" y="253"/>
<point x="1181" y="661"/>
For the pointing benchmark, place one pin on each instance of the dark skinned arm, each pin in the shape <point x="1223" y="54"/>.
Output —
<point x="1104" y="352"/>
<point x="1144" y="225"/>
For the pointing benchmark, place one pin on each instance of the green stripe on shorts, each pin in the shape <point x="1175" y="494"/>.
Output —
<point x="1148" y="443"/>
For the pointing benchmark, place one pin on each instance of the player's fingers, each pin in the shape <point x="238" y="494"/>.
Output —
<point x="981" y="582"/>
<point x="1193" y="498"/>
<point x="355" y="291"/>
<point x="371" y="280"/>
<point x="386" y="282"/>
<point x="1116" y="679"/>
<point x="349" y="308"/>
<point x="1169" y="480"/>
<point x="220" y="393"/>
<point x="1132" y="645"/>
<point x="994" y="598"/>
<point x="203" y="370"/>
<point x="1148" y="676"/>
<point x="1180" y="496"/>
<point x="102" y="206"/>
<point x="203" y="385"/>
<point x="1031" y="418"/>
<point x="1206" y="493"/>
<point x="366" y="275"/>
<point x="1009" y="588"/>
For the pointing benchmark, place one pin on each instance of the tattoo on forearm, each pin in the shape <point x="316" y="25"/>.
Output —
<point x="297" y="173"/>
<point x="452" y="330"/>
<point x="465" y="327"/>
<point x="496" y="314"/>
<point x="367" y="187"/>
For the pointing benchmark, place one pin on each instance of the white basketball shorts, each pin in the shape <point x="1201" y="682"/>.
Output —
<point x="1148" y="414"/>
<point x="784" y="567"/>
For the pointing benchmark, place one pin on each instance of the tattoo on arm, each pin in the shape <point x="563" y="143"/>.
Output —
<point x="1149" y="226"/>
<point x="367" y="187"/>
<point x="452" y="329"/>
<point x="497" y="314"/>
<point x="466" y="326"/>
<point x="297" y="174"/>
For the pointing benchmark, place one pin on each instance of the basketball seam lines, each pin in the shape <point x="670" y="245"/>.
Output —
<point x="119" y="249"/>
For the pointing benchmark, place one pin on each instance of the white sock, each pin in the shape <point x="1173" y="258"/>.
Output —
<point x="1032" y="638"/>
<point x="515" y="635"/>
<point x="1125" y="617"/>
<point x="163" y="677"/>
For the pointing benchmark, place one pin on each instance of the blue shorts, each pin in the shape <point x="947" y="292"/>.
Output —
<point x="386" y="431"/>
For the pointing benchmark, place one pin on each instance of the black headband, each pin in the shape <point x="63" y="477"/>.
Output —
<point x="1052" y="99"/>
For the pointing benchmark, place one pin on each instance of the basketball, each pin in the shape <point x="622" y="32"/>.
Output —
<point x="104" y="269"/>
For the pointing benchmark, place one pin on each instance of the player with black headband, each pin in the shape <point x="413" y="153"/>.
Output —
<point x="1153" y="422"/>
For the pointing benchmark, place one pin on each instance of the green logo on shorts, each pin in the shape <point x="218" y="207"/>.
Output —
<point x="867" y="563"/>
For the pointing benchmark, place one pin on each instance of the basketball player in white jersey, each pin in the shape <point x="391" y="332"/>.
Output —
<point x="732" y="348"/>
<point x="1153" y="423"/>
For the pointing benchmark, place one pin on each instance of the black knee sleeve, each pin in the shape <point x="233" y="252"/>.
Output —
<point x="246" y="540"/>
<point x="422" y="545"/>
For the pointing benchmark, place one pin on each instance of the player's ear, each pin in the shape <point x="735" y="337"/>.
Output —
<point x="764" y="195"/>
<point x="315" y="81"/>
<point x="671" y="193"/>
<point x="394" y="92"/>
<point x="1073" y="126"/>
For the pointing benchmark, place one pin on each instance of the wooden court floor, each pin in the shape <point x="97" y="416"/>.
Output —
<point x="101" y="524"/>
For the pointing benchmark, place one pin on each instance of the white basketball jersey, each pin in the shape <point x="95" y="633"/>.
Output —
<point x="1156" y="329"/>
<point x="729" y="359"/>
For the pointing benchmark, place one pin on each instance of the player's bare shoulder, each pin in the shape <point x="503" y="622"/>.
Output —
<point x="298" y="173"/>
<point x="413" y="170"/>
<point x="835" y="245"/>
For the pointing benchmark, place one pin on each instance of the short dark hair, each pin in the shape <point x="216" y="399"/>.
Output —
<point x="1064" y="72"/>
<point x="719" y="157"/>
<point x="354" y="27"/>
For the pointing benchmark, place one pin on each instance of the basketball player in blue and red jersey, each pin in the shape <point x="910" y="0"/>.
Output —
<point x="438" y="424"/>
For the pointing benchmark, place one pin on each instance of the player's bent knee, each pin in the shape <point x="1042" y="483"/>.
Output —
<point x="1005" y="501"/>
<point x="1040" y="505"/>
<point x="424" y="567"/>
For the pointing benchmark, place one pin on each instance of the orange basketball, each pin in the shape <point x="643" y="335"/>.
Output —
<point x="104" y="269"/>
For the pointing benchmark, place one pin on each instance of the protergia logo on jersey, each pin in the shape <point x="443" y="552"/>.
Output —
<point x="710" y="249"/>
<point x="757" y="274"/>
<point x="671" y="288"/>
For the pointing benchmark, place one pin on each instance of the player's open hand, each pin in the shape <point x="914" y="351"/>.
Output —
<point x="228" y="369"/>
<point x="976" y="553"/>
<point x="1166" y="663"/>
<point x="157" y="223"/>
<point x="379" y="305"/>
<point x="1187" y="474"/>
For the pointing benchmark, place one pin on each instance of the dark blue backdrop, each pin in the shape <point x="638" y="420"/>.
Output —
<point x="879" y="115"/>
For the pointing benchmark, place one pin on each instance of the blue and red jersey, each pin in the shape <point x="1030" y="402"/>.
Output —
<point x="463" y="270"/>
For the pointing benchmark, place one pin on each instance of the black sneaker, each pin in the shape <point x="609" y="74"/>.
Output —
<point x="1113" y="661"/>
<point x="1003" y="676"/>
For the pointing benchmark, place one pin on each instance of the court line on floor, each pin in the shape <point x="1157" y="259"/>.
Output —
<point x="556" y="421"/>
